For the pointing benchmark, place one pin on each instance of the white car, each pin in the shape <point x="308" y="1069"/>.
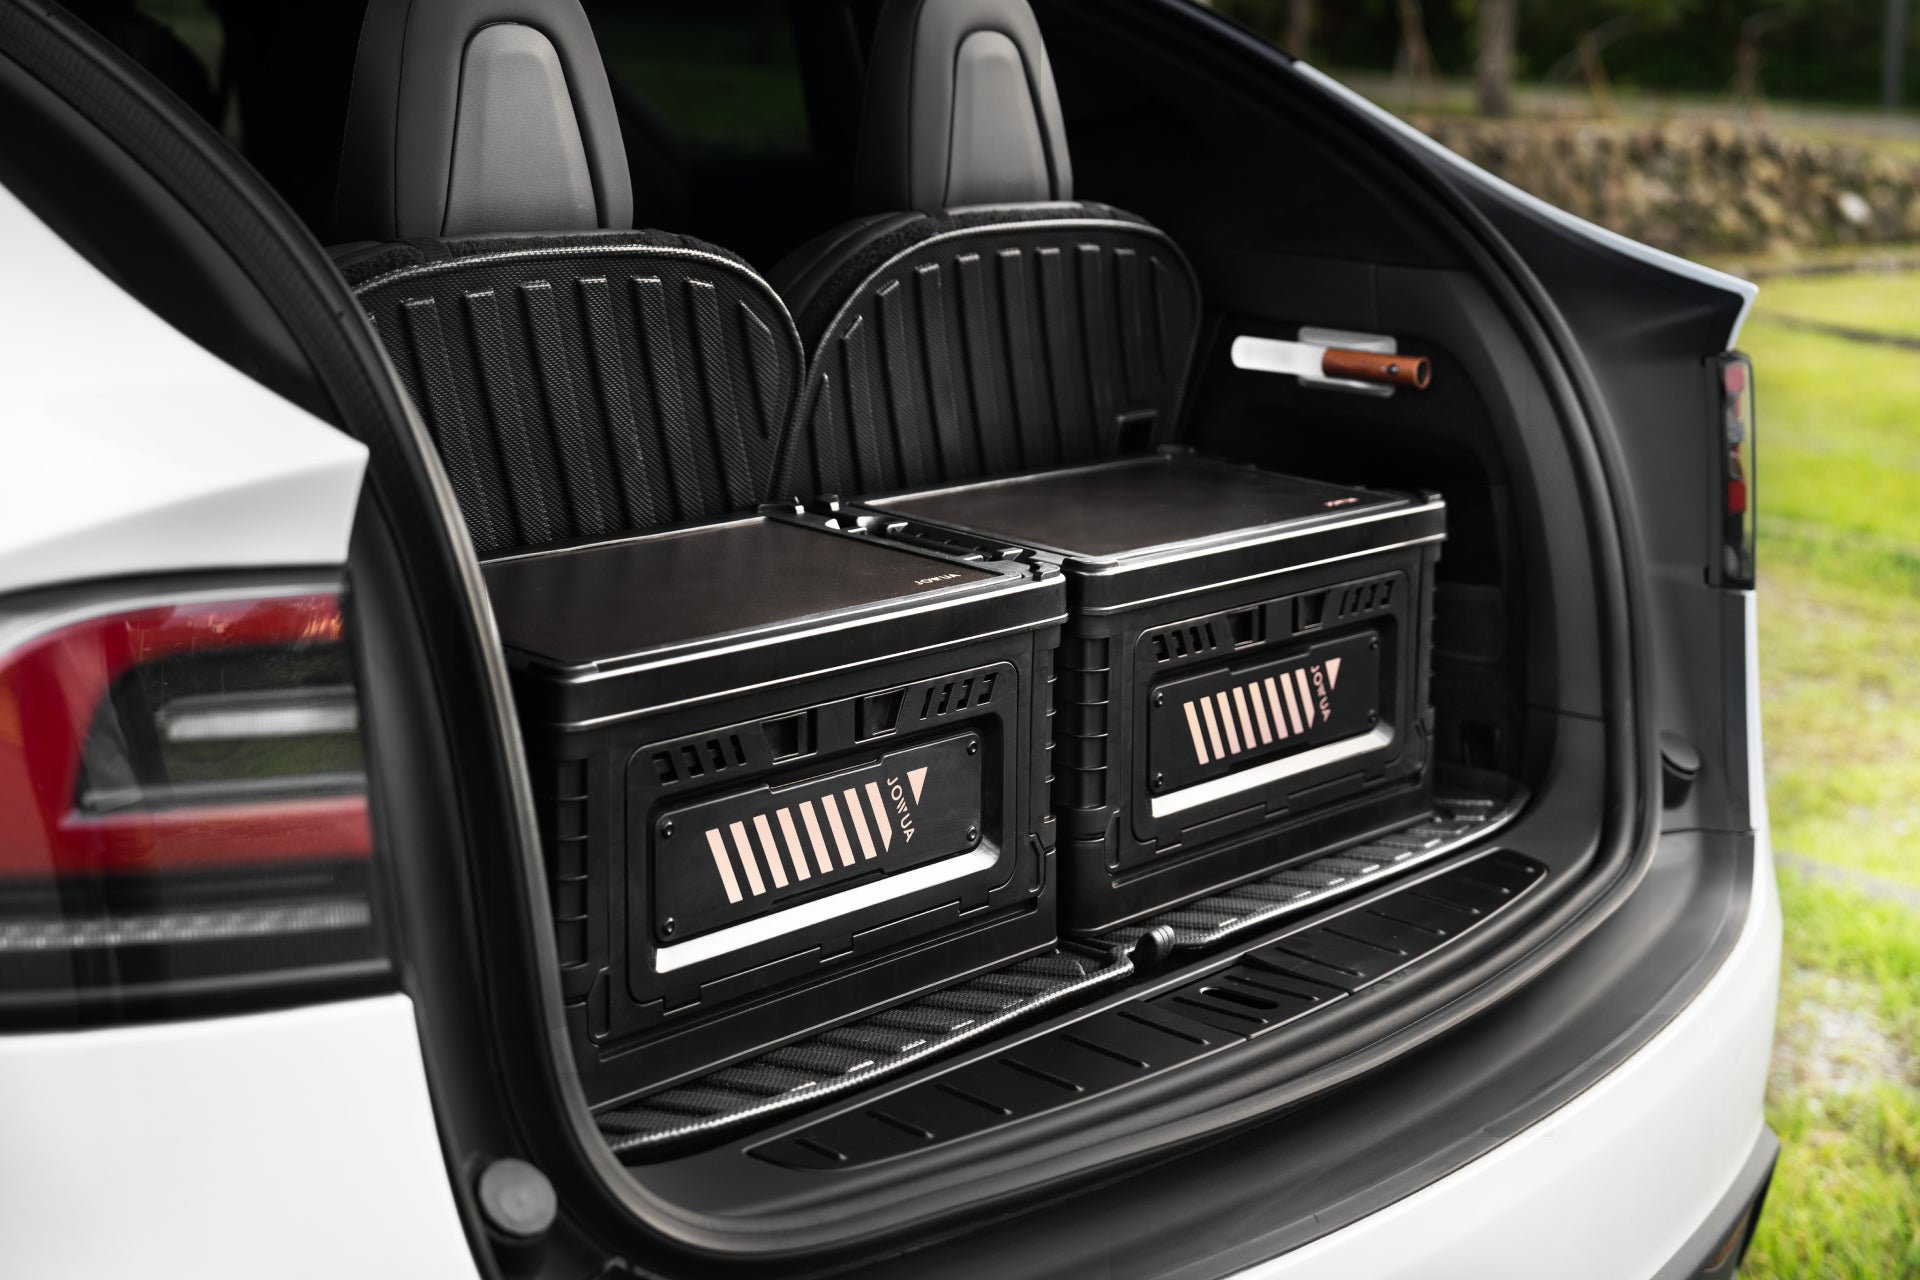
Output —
<point x="1180" y="707"/>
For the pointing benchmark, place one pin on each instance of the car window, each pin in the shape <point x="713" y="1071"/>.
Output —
<point x="717" y="73"/>
<point x="179" y="42"/>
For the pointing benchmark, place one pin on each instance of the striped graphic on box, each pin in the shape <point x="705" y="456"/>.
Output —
<point x="1221" y="719"/>
<point x="733" y="845"/>
<point x="738" y="855"/>
<point x="1257" y="714"/>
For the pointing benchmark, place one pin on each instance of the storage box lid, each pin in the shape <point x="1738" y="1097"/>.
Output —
<point x="652" y="596"/>
<point x="1139" y="507"/>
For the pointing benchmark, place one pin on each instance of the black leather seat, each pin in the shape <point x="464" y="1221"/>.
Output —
<point x="580" y="378"/>
<point x="978" y="320"/>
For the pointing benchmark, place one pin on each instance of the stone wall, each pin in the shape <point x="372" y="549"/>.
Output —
<point x="1700" y="188"/>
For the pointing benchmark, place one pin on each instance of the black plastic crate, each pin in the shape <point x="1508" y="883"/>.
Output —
<point x="786" y="773"/>
<point x="1244" y="672"/>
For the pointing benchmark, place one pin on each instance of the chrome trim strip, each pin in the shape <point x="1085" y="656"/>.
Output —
<point x="1261" y="775"/>
<point x="805" y="915"/>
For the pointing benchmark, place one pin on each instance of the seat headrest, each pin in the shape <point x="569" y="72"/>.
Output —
<point x="478" y="116"/>
<point x="961" y="109"/>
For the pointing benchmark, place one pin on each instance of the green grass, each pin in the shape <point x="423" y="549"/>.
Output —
<point x="1839" y="420"/>
<point x="1841" y="700"/>
<point x="1886" y="302"/>
<point x="1845" y="1202"/>
<point x="1839" y="494"/>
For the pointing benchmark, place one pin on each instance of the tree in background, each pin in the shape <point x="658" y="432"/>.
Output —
<point x="1416" y="58"/>
<point x="1613" y="21"/>
<point x="1299" y="27"/>
<point x="1747" y="54"/>
<point x="1290" y="22"/>
<point x="1493" y="36"/>
<point x="1893" y="66"/>
<point x="1831" y="50"/>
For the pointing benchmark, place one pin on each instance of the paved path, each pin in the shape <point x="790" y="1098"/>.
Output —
<point x="1871" y="261"/>
<point x="1456" y="95"/>
<point x="1904" y="341"/>
<point x="1859" y="881"/>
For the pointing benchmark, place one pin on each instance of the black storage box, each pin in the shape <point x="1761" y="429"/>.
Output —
<point x="786" y="773"/>
<point x="1243" y="679"/>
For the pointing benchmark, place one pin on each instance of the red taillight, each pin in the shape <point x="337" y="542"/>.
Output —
<point x="182" y="796"/>
<point x="53" y="690"/>
<point x="1739" y="530"/>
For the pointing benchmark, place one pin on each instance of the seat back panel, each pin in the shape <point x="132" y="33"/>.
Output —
<point x="989" y="342"/>
<point x="588" y="389"/>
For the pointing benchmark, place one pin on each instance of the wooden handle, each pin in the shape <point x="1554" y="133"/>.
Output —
<point x="1370" y="366"/>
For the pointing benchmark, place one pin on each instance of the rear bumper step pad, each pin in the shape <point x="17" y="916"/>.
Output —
<point x="844" y="1059"/>
<point x="1456" y="821"/>
<point x="859" y="1053"/>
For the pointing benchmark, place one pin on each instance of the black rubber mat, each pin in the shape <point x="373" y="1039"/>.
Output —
<point x="1455" y="821"/>
<point x="849" y="1057"/>
<point x="844" y="1059"/>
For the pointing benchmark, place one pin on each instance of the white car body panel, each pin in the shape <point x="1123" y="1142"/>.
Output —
<point x="131" y="449"/>
<point x="1660" y="259"/>
<point x="292" y="1144"/>
<point x="1612" y="1185"/>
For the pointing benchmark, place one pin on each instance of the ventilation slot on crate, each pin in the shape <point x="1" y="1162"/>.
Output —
<point x="564" y="813"/>
<point x="1184" y="641"/>
<point x="956" y="695"/>
<point x="1365" y="597"/>
<point x="699" y="758"/>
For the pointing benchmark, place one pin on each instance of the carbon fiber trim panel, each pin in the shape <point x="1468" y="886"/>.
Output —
<point x="992" y="348"/>
<point x="587" y="389"/>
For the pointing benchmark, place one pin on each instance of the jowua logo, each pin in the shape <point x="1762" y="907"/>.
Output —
<point x="917" y="781"/>
<point x="1323" y="687"/>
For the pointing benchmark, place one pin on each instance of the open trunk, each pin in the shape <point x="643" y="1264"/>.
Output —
<point x="979" y="1065"/>
<point x="1245" y="997"/>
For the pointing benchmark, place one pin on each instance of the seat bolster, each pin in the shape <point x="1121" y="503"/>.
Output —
<point x="847" y="260"/>
<point x="798" y="277"/>
<point x="363" y="261"/>
<point x="988" y="341"/>
<point x="349" y="256"/>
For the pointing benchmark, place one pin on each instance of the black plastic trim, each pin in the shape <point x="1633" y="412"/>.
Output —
<point x="1295" y="976"/>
